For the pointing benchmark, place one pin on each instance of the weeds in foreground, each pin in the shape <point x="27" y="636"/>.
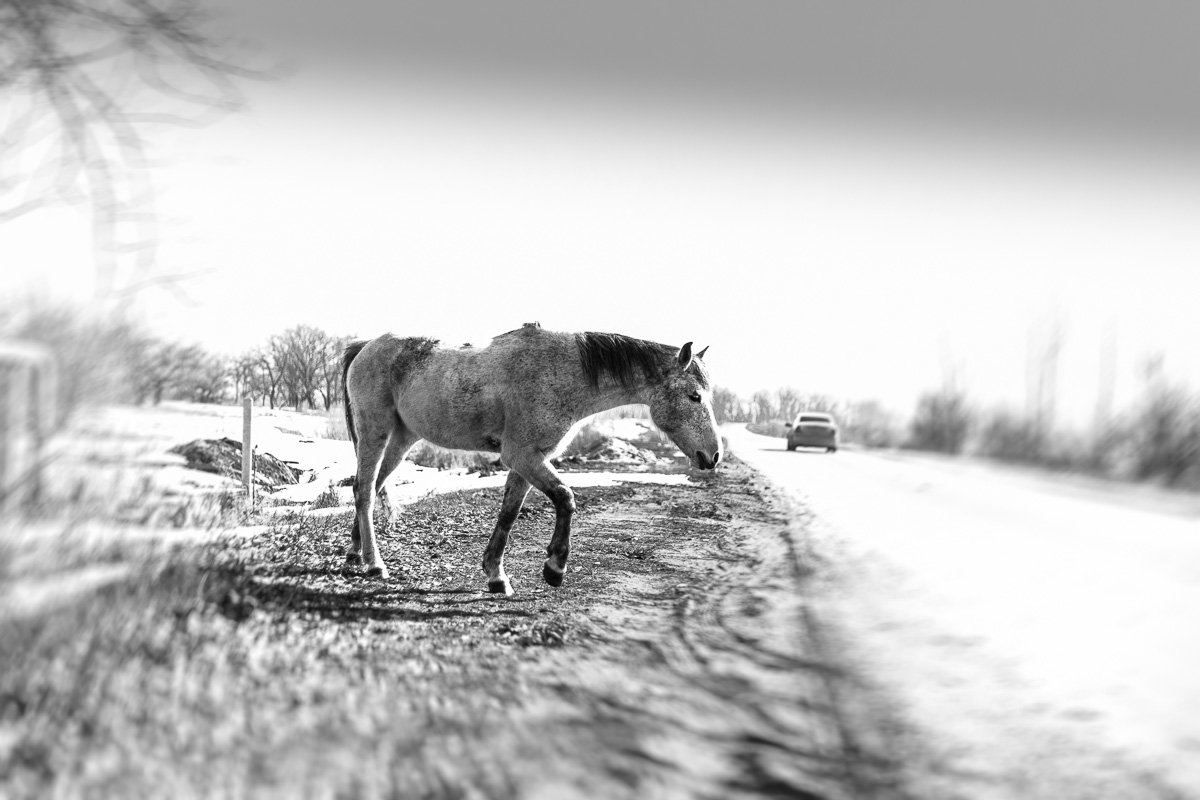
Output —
<point x="330" y="498"/>
<point x="257" y="653"/>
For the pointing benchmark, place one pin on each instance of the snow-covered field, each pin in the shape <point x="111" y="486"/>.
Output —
<point x="115" y="450"/>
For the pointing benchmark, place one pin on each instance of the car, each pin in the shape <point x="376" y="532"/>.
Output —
<point x="813" y="429"/>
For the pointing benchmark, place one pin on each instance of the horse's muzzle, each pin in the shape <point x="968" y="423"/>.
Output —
<point x="705" y="462"/>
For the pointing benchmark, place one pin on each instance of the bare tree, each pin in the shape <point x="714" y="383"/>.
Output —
<point x="331" y="369"/>
<point x="727" y="406"/>
<point x="301" y="352"/>
<point x="788" y="403"/>
<point x="209" y="380"/>
<point x="762" y="407"/>
<point x="1045" y="346"/>
<point x="86" y="83"/>
<point x="244" y="372"/>
<point x="271" y="361"/>
<point x="166" y="370"/>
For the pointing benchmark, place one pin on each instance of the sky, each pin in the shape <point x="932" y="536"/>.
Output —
<point x="858" y="199"/>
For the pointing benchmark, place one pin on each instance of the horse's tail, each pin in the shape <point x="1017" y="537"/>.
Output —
<point x="352" y="350"/>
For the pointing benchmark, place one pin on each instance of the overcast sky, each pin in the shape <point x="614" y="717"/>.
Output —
<point x="843" y="197"/>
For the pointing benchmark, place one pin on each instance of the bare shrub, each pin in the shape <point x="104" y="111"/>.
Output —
<point x="941" y="423"/>
<point x="1165" y="433"/>
<point x="868" y="424"/>
<point x="587" y="439"/>
<point x="330" y="498"/>
<point x="426" y="454"/>
<point x="1006" y="436"/>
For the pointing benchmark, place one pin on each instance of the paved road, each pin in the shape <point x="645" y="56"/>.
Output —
<point x="1041" y="634"/>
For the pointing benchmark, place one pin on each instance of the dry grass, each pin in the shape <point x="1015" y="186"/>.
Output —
<point x="260" y="656"/>
<point x="335" y="423"/>
<point x="330" y="498"/>
<point x="224" y="655"/>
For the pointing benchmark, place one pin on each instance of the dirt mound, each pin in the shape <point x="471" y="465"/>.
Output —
<point x="612" y="453"/>
<point x="224" y="457"/>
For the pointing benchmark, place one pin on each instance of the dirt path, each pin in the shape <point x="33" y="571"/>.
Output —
<point x="705" y="678"/>
<point x="679" y="660"/>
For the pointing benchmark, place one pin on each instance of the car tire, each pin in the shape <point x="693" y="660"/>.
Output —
<point x="791" y="447"/>
<point x="830" y="449"/>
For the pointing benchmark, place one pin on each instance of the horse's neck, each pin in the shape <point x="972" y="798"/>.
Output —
<point x="614" y="396"/>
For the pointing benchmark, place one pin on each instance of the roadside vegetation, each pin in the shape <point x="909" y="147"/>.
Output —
<point x="1156" y="438"/>
<point x="108" y="359"/>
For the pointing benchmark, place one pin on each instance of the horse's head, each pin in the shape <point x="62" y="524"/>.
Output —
<point x="681" y="405"/>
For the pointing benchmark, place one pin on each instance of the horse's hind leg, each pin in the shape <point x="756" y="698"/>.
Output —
<point x="397" y="447"/>
<point x="515" y="490"/>
<point x="372" y="445"/>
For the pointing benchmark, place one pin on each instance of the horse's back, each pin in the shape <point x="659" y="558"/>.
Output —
<point x="462" y="397"/>
<point x="439" y="394"/>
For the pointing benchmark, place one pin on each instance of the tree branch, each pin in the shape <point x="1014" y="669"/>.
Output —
<point x="59" y="49"/>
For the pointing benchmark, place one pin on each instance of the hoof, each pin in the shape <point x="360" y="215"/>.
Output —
<point x="551" y="575"/>
<point x="500" y="586"/>
<point x="378" y="572"/>
<point x="353" y="560"/>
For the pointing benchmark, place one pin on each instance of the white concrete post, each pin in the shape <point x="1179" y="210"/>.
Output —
<point x="27" y="418"/>
<point x="247" y="450"/>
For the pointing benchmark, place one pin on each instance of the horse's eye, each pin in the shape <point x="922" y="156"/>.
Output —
<point x="694" y="397"/>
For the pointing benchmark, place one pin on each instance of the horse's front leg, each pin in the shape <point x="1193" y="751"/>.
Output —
<point x="537" y="470"/>
<point x="354" y="550"/>
<point x="515" y="490"/>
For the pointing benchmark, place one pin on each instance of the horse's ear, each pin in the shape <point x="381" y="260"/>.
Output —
<point x="685" y="356"/>
<point x="700" y="355"/>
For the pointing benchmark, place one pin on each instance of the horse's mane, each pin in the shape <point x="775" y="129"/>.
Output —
<point x="618" y="356"/>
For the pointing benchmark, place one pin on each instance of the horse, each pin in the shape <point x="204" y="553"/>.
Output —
<point x="520" y="396"/>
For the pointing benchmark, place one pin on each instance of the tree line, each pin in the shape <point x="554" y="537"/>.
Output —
<point x="299" y="367"/>
<point x="107" y="360"/>
<point x="1155" y="438"/>
<point x="769" y="411"/>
